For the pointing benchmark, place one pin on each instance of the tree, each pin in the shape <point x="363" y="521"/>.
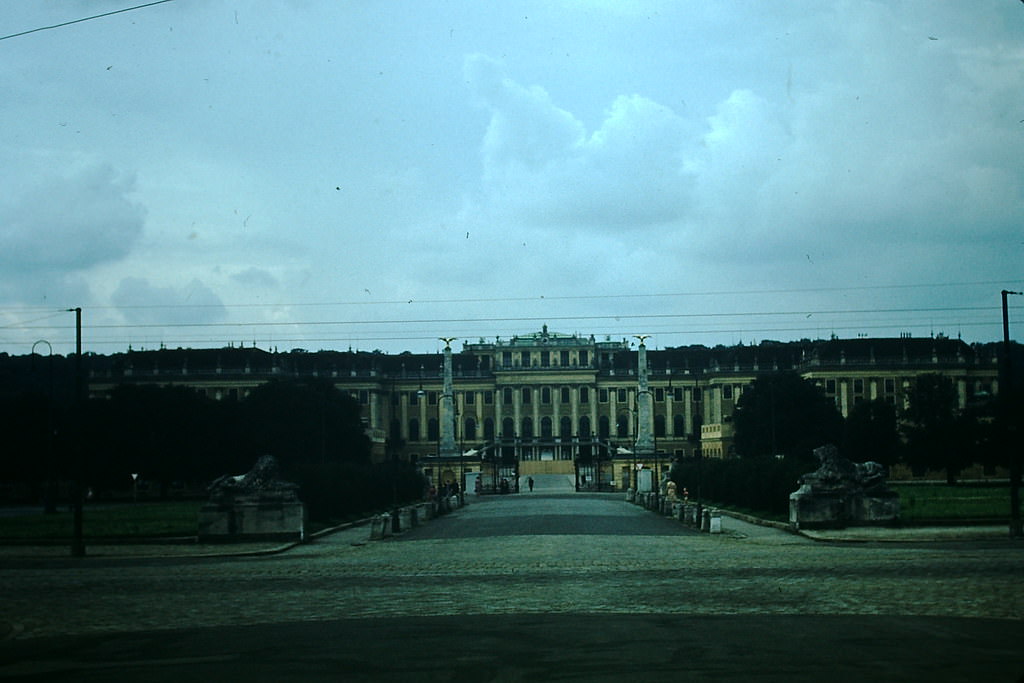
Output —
<point x="303" y="422"/>
<point x="872" y="433"/>
<point x="938" y="435"/>
<point x="165" y="434"/>
<point x="784" y="414"/>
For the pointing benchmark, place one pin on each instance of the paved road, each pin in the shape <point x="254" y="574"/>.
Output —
<point x="541" y="587"/>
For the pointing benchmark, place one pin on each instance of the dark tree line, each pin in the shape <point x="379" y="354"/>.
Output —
<point x="781" y="418"/>
<point x="175" y="438"/>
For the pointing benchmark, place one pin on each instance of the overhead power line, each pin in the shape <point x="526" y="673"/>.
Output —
<point x="79" y="21"/>
<point x="578" y="297"/>
<point x="533" y="318"/>
<point x="357" y="338"/>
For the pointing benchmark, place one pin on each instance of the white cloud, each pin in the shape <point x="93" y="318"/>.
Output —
<point x="540" y="164"/>
<point x="71" y="223"/>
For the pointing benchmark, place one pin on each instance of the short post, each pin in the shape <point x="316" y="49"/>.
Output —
<point x="715" y="526"/>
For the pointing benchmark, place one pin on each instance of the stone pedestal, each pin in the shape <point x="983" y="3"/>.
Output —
<point x="254" y="506"/>
<point x="252" y="520"/>
<point x="810" y="509"/>
<point x="841" y="493"/>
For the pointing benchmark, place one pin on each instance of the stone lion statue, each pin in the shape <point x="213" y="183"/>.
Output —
<point x="837" y="473"/>
<point x="262" y="480"/>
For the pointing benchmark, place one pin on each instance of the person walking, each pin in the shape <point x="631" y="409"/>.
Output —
<point x="529" y="482"/>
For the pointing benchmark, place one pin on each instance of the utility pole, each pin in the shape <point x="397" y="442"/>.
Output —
<point x="78" y="538"/>
<point x="1007" y="401"/>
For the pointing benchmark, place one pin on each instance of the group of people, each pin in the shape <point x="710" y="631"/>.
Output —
<point x="448" y="489"/>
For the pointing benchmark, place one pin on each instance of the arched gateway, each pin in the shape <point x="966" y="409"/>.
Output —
<point x="585" y="462"/>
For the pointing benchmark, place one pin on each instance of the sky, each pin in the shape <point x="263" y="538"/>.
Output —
<point x="376" y="175"/>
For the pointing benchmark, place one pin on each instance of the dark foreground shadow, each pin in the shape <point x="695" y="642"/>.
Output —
<point x="541" y="648"/>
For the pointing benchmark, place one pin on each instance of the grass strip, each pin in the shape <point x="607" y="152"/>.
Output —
<point x="179" y="518"/>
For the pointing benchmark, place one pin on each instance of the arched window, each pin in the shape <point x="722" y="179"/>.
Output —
<point x="527" y="430"/>
<point x="545" y="427"/>
<point x="659" y="425"/>
<point x="414" y="429"/>
<point x="604" y="429"/>
<point x="433" y="434"/>
<point x="584" y="426"/>
<point x="470" y="429"/>
<point x="489" y="428"/>
<point x="679" y="426"/>
<point x="508" y="428"/>
<point x="622" y="425"/>
<point x="565" y="428"/>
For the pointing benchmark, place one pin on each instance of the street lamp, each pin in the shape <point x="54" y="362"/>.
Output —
<point x="50" y="490"/>
<point x="77" y="535"/>
<point x="1006" y="390"/>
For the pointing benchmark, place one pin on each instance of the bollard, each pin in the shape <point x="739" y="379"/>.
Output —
<point x="376" y="528"/>
<point x="404" y="519"/>
<point x="716" y="522"/>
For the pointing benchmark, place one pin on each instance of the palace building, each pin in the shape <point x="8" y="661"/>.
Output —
<point x="550" y="403"/>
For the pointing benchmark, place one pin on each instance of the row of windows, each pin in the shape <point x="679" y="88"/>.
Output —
<point x="543" y="359"/>
<point x="547" y="394"/>
<point x="621" y="395"/>
<point x="888" y="385"/>
<point x="526" y="428"/>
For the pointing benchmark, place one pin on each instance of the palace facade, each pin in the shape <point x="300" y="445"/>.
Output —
<point x="549" y="403"/>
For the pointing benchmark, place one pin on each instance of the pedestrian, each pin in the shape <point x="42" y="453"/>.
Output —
<point x="529" y="482"/>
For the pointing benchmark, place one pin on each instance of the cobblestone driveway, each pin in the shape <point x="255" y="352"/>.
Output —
<point x="519" y="554"/>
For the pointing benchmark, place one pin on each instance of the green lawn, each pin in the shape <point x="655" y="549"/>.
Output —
<point x="932" y="502"/>
<point x="178" y="518"/>
<point x="940" y="501"/>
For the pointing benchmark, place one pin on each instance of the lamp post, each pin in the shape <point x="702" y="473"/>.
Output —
<point x="49" y="487"/>
<point x="77" y="536"/>
<point x="1006" y="391"/>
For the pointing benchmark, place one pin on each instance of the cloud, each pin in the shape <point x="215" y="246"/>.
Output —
<point x="71" y="223"/>
<point x="542" y="166"/>
<point x="256" y="277"/>
<point x="143" y="303"/>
